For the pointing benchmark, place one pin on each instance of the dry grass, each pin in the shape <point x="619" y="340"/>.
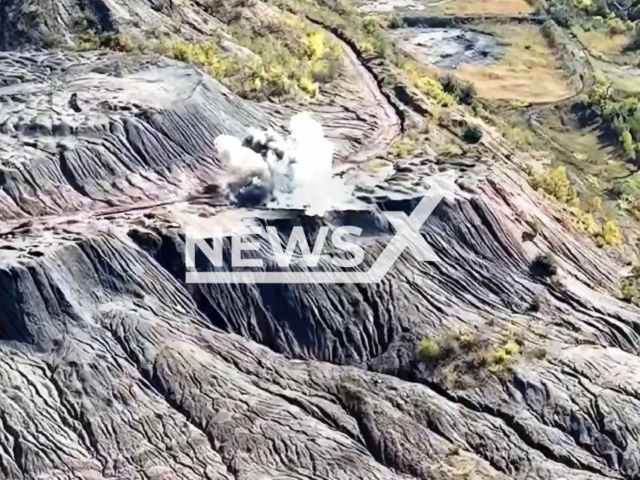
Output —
<point x="612" y="60"/>
<point x="529" y="70"/>
<point x="601" y="42"/>
<point x="462" y="359"/>
<point x="484" y="7"/>
<point x="583" y="148"/>
<point x="622" y="78"/>
<point x="460" y="465"/>
<point x="375" y="165"/>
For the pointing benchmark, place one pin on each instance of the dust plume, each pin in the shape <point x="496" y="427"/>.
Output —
<point x="293" y="172"/>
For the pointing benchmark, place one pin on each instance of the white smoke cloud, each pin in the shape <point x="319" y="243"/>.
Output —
<point x="292" y="172"/>
<point x="240" y="162"/>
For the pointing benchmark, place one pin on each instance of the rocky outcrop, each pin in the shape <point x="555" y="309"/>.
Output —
<point x="49" y="23"/>
<point x="140" y="372"/>
<point x="108" y="349"/>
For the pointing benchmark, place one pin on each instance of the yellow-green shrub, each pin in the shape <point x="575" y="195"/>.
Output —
<point x="626" y="140"/>
<point x="118" y="41"/>
<point x="616" y="26"/>
<point x="501" y="357"/>
<point x="585" y="222"/>
<point x="293" y="59"/>
<point x="406" y="146"/>
<point x="308" y="86"/>
<point x="278" y="69"/>
<point x="630" y="286"/>
<point x="610" y="234"/>
<point x="462" y="352"/>
<point x="427" y="85"/>
<point x="519" y="136"/>
<point x="371" y="25"/>
<point x="429" y="348"/>
<point x="556" y="184"/>
<point x="594" y="204"/>
<point x="89" y="40"/>
<point x="313" y="44"/>
<point x="297" y="64"/>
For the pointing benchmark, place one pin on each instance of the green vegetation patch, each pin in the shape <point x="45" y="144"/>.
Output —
<point x="556" y="184"/>
<point x="289" y="58"/>
<point x="463" y="359"/>
<point x="617" y="16"/>
<point x="621" y="113"/>
<point x="454" y="355"/>
<point x="630" y="286"/>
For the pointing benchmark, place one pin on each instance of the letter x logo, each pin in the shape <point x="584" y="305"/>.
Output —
<point x="408" y="229"/>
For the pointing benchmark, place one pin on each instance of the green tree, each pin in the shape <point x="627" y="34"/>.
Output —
<point x="627" y="142"/>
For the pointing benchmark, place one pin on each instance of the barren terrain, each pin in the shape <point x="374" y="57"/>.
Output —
<point x="512" y="357"/>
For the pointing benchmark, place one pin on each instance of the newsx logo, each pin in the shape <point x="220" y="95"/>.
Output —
<point x="407" y="236"/>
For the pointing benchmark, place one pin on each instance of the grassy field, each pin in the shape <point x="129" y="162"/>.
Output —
<point x="585" y="149"/>
<point x="602" y="43"/>
<point x="580" y="156"/>
<point x="528" y="72"/>
<point x="605" y="45"/>
<point x="580" y="146"/>
<point x="612" y="60"/>
<point x="626" y="79"/>
<point x="483" y="7"/>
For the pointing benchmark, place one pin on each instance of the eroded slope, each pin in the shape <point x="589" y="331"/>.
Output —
<point x="113" y="367"/>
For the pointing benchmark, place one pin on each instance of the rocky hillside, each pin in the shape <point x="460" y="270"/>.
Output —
<point x="45" y="23"/>
<point x="510" y="358"/>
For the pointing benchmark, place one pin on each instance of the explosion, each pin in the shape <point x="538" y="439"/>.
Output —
<point x="293" y="172"/>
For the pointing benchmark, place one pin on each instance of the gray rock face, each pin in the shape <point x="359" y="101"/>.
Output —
<point x="113" y="367"/>
<point x="46" y="142"/>
<point x="51" y="23"/>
